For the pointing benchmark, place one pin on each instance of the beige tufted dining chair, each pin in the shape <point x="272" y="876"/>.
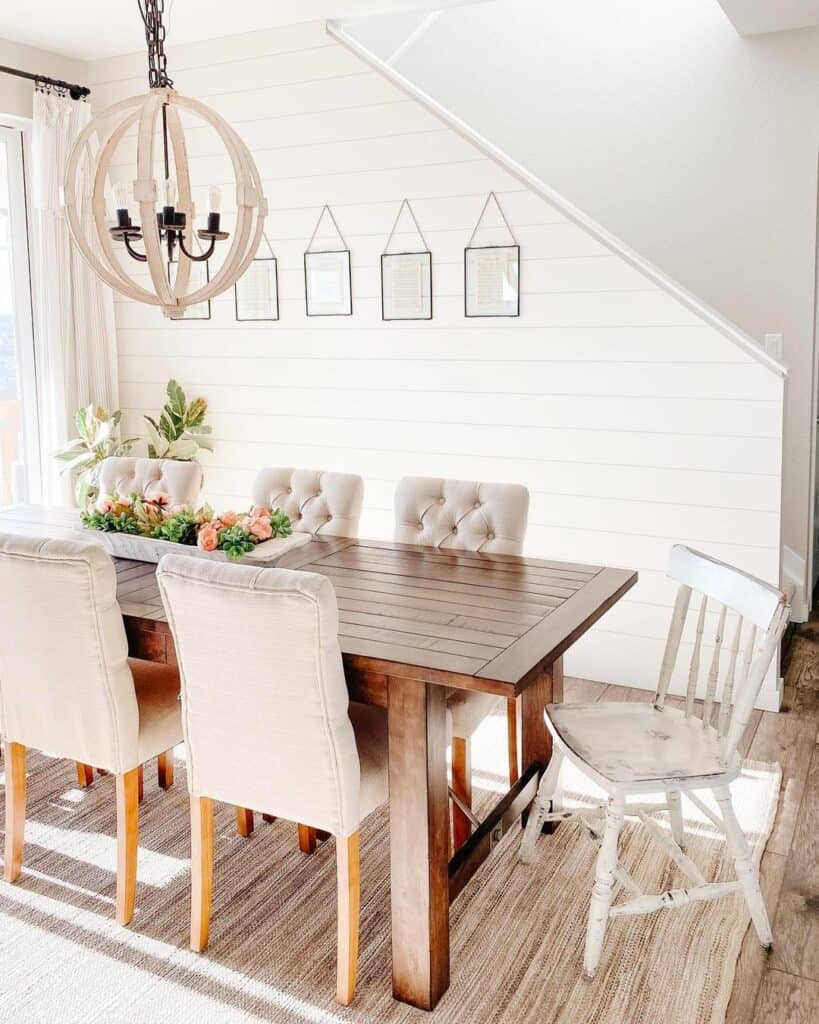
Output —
<point x="68" y="688"/>
<point x="278" y="682"/>
<point x="125" y="475"/>
<point x="464" y="515"/>
<point x="317" y="501"/>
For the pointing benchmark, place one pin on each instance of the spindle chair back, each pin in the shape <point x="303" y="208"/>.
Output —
<point x="752" y="613"/>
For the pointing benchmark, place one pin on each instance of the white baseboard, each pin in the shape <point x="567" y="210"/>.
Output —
<point x="795" y="580"/>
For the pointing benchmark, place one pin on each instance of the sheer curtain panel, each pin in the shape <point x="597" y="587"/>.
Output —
<point x="75" y="339"/>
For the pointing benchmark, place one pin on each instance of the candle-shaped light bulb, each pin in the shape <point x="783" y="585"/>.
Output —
<point x="121" y="196"/>
<point x="170" y="192"/>
<point x="214" y="205"/>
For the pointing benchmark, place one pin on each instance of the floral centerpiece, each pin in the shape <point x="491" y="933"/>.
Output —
<point x="153" y="516"/>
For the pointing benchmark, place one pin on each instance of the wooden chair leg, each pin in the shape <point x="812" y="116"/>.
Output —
<point x="140" y="783"/>
<point x="15" y="757"/>
<point x="512" y="738"/>
<point x="462" y="787"/>
<point x="85" y="774"/>
<point x="744" y="867"/>
<point x="540" y="807"/>
<point x="307" y="839"/>
<point x="201" y="870"/>
<point x="164" y="769"/>
<point x="244" y="821"/>
<point x="676" y="816"/>
<point x="322" y="836"/>
<point x="127" y="842"/>
<point x="603" y="890"/>
<point x="349" y="901"/>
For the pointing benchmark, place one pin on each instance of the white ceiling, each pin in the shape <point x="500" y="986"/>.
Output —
<point x="755" y="17"/>
<point x="93" y="29"/>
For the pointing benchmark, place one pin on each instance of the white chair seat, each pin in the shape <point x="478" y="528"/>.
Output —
<point x="370" y="728"/>
<point x="160" y="718"/>
<point x="628" y="744"/>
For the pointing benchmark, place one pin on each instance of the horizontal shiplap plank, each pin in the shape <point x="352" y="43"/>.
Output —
<point x="245" y="76"/>
<point x="755" y="419"/>
<point x="282" y="39"/>
<point x="745" y="381"/>
<point x="692" y="343"/>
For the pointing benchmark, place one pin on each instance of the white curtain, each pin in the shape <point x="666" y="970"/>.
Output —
<point x="75" y="338"/>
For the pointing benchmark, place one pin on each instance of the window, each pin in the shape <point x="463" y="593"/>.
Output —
<point x="19" y="456"/>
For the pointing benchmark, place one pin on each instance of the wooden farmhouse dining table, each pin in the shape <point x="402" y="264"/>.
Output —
<point x="414" y="622"/>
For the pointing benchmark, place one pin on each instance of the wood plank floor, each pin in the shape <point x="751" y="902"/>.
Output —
<point x="780" y="987"/>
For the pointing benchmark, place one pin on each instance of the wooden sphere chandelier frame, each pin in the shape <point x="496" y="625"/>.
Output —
<point x="167" y="231"/>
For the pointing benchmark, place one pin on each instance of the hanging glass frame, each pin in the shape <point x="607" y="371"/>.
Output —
<point x="406" y="277"/>
<point x="256" y="293"/>
<point x="328" y="281"/>
<point x="492" y="273"/>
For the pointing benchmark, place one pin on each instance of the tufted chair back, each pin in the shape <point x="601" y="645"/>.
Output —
<point x="461" y="514"/>
<point x="266" y="669"/>
<point x="65" y="684"/>
<point x="316" y="501"/>
<point x="123" y="474"/>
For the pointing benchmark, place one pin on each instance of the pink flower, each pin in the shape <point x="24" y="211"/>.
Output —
<point x="158" y="498"/>
<point x="228" y="518"/>
<point x="260" y="512"/>
<point x="260" y="529"/>
<point x="125" y="502"/>
<point x="105" y="505"/>
<point x="208" y="538"/>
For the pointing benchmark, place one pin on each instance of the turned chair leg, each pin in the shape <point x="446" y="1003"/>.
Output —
<point x="541" y="805"/>
<point x="201" y="870"/>
<point x="307" y="839"/>
<point x="675" y="814"/>
<point x="744" y="867"/>
<point x="512" y="738"/>
<point x="244" y="821"/>
<point x="15" y="756"/>
<point x="462" y="788"/>
<point x="127" y="842"/>
<point x="349" y="900"/>
<point x="603" y="891"/>
<point x="140" y="783"/>
<point x="164" y="769"/>
<point x="85" y="774"/>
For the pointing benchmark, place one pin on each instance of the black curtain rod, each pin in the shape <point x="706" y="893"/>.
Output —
<point x="76" y="92"/>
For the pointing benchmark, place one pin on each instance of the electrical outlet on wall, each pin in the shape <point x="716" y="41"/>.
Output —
<point x="775" y="346"/>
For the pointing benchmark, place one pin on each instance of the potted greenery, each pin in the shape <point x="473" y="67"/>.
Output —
<point x="98" y="439"/>
<point x="180" y="431"/>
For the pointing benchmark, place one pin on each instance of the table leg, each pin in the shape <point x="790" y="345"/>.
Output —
<point x="536" y="740"/>
<point x="419" y="841"/>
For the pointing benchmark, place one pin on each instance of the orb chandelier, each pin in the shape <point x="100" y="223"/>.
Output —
<point x="164" y="235"/>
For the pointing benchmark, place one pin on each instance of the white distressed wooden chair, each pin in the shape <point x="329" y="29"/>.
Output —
<point x="633" y="749"/>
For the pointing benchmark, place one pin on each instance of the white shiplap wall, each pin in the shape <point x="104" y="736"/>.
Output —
<point x="633" y="422"/>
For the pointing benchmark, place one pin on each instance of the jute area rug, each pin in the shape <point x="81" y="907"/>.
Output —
<point x="517" y="930"/>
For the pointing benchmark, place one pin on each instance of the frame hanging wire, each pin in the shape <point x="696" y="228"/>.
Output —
<point x="489" y="198"/>
<point x="406" y="203"/>
<point x="326" y="209"/>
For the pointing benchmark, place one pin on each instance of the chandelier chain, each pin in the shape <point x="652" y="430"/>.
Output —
<point x="152" y="11"/>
